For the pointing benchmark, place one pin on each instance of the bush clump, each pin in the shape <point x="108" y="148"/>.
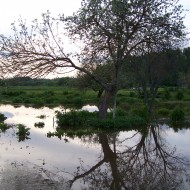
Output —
<point x="4" y="127"/>
<point x="90" y="119"/>
<point x="17" y="100"/>
<point x="179" y="95"/>
<point x="78" y="101"/>
<point x="23" y="132"/>
<point x="39" y="124"/>
<point x="2" y="118"/>
<point x="177" y="115"/>
<point x="167" y="94"/>
<point x="73" y="118"/>
<point x="141" y="112"/>
<point x="163" y="111"/>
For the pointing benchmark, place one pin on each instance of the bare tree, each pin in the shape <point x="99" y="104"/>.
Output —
<point x="109" y="30"/>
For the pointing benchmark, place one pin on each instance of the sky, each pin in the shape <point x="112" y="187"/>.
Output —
<point x="12" y="10"/>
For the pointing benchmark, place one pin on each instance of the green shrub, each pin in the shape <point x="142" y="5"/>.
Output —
<point x="78" y="101"/>
<point x="27" y="101"/>
<point x="117" y="123"/>
<point x="65" y="92"/>
<point x="179" y="95"/>
<point x="120" y="112"/>
<point x="39" y="124"/>
<point x="131" y="100"/>
<point x="37" y="101"/>
<point x="172" y="89"/>
<point x="48" y="93"/>
<point x="49" y="100"/>
<point x="141" y="112"/>
<point x="41" y="116"/>
<point x="23" y="132"/>
<point x="2" y="117"/>
<point x="159" y="94"/>
<point x="73" y="118"/>
<point x="177" y="115"/>
<point x="4" y="127"/>
<point x="132" y="94"/>
<point x="89" y="119"/>
<point x="167" y="94"/>
<point x="12" y="93"/>
<point x="163" y="111"/>
<point x="17" y="100"/>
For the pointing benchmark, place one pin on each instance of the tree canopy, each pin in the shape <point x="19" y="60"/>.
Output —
<point x="108" y="30"/>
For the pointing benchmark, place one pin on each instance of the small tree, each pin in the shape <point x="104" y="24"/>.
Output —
<point x="110" y="30"/>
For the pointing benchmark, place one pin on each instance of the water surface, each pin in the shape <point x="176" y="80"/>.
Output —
<point x="156" y="157"/>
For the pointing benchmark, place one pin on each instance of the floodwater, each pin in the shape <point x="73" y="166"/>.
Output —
<point x="156" y="157"/>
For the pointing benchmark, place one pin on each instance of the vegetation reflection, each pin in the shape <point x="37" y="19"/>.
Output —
<point x="150" y="163"/>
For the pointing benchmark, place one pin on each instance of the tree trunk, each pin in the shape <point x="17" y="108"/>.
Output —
<point x="103" y="108"/>
<point x="152" y="101"/>
<point x="111" y="158"/>
<point x="144" y="88"/>
<point x="114" y="106"/>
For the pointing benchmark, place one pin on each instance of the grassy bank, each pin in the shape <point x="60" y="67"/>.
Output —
<point x="127" y="100"/>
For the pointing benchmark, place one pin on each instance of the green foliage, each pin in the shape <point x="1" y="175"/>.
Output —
<point x="2" y="118"/>
<point x="89" y="119"/>
<point x="27" y="100"/>
<point x="4" y="127"/>
<point x="23" y="132"/>
<point x="37" y="101"/>
<point x="177" y="115"/>
<point x="167" y="94"/>
<point x="131" y="100"/>
<point x="12" y="93"/>
<point x="120" y="112"/>
<point x="49" y="100"/>
<point x="179" y="95"/>
<point x="78" y="101"/>
<point x="17" y="100"/>
<point x="132" y="94"/>
<point x="65" y="92"/>
<point x="39" y="124"/>
<point x="73" y="118"/>
<point x="118" y="123"/>
<point x="80" y="132"/>
<point x="163" y="111"/>
<point x="41" y="116"/>
<point x="141" y="112"/>
<point x="48" y="93"/>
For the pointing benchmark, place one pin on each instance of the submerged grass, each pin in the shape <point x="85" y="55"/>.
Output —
<point x="39" y="124"/>
<point x="4" y="127"/>
<point x="22" y="132"/>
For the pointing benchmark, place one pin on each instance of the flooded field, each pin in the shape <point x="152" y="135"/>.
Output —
<point x="156" y="157"/>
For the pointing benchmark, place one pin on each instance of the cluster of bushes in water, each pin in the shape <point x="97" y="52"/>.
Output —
<point x="123" y="120"/>
<point x="90" y="119"/>
<point x="175" y="115"/>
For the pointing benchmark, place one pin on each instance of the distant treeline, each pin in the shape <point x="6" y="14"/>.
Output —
<point x="174" y="70"/>
<point x="27" y="81"/>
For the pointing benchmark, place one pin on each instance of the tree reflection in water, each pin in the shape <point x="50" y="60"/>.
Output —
<point x="150" y="163"/>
